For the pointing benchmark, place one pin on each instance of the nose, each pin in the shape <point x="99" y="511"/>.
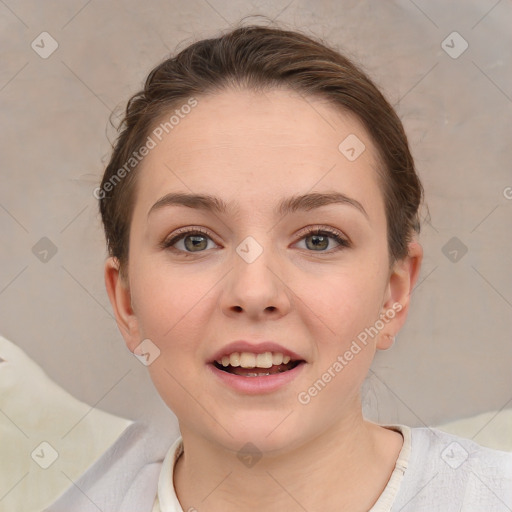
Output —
<point x="256" y="287"/>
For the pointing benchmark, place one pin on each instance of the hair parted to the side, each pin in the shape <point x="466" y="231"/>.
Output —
<point x="263" y="58"/>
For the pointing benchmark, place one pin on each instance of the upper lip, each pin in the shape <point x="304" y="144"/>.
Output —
<point x="255" y="348"/>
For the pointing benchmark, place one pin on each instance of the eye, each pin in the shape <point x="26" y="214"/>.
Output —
<point x="196" y="240"/>
<point x="318" y="239"/>
<point x="188" y="241"/>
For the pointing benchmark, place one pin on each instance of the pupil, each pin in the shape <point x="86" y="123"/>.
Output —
<point x="321" y="241"/>
<point x="196" y="241"/>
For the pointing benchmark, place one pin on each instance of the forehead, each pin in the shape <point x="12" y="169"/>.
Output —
<point x="250" y="146"/>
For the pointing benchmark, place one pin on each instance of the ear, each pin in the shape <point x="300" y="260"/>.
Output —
<point x="402" y="278"/>
<point x="120" y="297"/>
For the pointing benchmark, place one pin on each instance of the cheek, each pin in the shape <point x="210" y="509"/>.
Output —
<point x="172" y="312"/>
<point x="351" y="304"/>
<point x="166" y="300"/>
<point x="346" y="346"/>
<point x="351" y="297"/>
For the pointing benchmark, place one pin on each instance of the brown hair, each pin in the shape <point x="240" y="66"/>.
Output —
<point x="259" y="57"/>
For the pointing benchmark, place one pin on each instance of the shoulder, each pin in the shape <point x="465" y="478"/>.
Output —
<point x="448" y="472"/>
<point x="125" y="477"/>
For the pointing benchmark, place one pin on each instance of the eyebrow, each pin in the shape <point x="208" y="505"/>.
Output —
<point x="286" y="206"/>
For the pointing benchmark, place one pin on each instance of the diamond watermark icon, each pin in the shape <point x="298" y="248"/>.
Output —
<point x="44" y="250"/>
<point x="454" y="455"/>
<point x="454" y="249"/>
<point x="249" y="250"/>
<point x="146" y="352"/>
<point x="44" y="45"/>
<point x="45" y="455"/>
<point x="351" y="147"/>
<point x="454" y="45"/>
<point x="249" y="455"/>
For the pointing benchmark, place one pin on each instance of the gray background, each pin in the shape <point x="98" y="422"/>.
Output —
<point x="453" y="358"/>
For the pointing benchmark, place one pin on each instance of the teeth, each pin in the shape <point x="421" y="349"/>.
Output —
<point x="278" y="358"/>
<point x="247" y="360"/>
<point x="250" y="360"/>
<point x="264" y="360"/>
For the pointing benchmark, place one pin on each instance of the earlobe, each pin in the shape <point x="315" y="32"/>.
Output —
<point x="402" y="279"/>
<point x="120" y="297"/>
<point x="385" y="341"/>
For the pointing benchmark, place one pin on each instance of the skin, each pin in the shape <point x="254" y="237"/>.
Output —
<point x="252" y="149"/>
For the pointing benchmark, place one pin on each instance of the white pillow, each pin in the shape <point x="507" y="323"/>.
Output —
<point x="492" y="429"/>
<point x="35" y="410"/>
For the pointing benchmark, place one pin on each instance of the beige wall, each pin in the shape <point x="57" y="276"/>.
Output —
<point x="454" y="356"/>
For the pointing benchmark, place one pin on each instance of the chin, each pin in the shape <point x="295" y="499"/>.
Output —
<point x="267" y="433"/>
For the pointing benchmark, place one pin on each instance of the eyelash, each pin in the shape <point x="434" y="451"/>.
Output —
<point x="319" y="231"/>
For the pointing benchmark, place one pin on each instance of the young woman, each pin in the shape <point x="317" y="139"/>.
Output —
<point x="261" y="214"/>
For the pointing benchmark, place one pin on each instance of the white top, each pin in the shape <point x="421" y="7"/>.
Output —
<point x="444" y="473"/>
<point x="434" y="472"/>
<point x="167" y="501"/>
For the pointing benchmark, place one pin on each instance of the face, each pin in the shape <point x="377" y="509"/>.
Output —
<point x="310" y="277"/>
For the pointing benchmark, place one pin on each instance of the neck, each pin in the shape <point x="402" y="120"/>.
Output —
<point x="347" y="465"/>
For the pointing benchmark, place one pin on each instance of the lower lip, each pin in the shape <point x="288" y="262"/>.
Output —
<point x="256" y="385"/>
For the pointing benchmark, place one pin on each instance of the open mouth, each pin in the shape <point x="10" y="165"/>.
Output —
<point x="258" y="372"/>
